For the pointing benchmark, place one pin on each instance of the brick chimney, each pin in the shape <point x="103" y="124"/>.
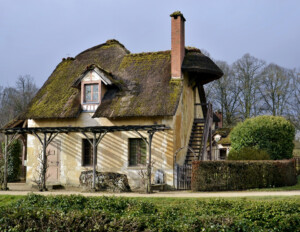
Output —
<point x="177" y="44"/>
<point x="220" y="116"/>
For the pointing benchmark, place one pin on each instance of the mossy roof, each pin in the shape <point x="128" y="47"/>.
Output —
<point x="143" y="81"/>
<point x="225" y="135"/>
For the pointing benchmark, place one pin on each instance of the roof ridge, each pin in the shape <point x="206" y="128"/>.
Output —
<point x="149" y="53"/>
<point x="107" y="43"/>
<point x="192" y="49"/>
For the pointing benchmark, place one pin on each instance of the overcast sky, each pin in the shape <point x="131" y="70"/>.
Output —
<point x="36" y="34"/>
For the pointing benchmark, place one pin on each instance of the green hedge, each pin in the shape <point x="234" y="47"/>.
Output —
<point x="14" y="162"/>
<point x="248" y="153"/>
<point x="238" y="175"/>
<point x="273" y="134"/>
<point x="78" y="213"/>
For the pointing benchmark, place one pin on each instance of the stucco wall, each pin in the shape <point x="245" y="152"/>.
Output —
<point x="184" y="118"/>
<point x="112" y="151"/>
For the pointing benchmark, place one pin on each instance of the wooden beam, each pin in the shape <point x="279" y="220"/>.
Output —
<point x="150" y="137"/>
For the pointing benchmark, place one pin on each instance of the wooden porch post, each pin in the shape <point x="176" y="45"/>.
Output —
<point x="44" y="163"/>
<point x="149" y="188"/>
<point x="94" y="161"/>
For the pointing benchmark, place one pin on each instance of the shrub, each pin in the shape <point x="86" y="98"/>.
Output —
<point x="270" y="133"/>
<point x="40" y="213"/>
<point x="237" y="175"/>
<point x="248" y="153"/>
<point x="14" y="162"/>
<point x="1" y="171"/>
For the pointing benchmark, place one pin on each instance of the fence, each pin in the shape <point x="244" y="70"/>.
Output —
<point x="297" y="164"/>
<point x="183" y="176"/>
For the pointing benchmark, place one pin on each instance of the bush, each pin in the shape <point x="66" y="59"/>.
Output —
<point x="248" y="153"/>
<point x="14" y="161"/>
<point x="270" y="133"/>
<point x="238" y="175"/>
<point x="40" y="213"/>
<point x="1" y="171"/>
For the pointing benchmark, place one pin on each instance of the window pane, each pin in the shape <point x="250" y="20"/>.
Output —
<point x="95" y="93"/>
<point x="137" y="152"/>
<point x="87" y="153"/>
<point x="88" y="92"/>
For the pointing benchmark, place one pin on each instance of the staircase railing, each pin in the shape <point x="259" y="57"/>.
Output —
<point x="207" y="134"/>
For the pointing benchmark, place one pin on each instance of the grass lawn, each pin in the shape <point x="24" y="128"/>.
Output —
<point x="8" y="199"/>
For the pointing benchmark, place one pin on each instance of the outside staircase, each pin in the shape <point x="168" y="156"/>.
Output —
<point x="195" y="142"/>
<point x="201" y="134"/>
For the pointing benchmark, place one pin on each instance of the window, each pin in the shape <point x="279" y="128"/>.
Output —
<point x="222" y="154"/>
<point x="91" y="93"/>
<point x="87" y="153"/>
<point x="137" y="152"/>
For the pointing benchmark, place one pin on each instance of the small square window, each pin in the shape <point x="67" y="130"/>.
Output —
<point x="87" y="153"/>
<point x="137" y="152"/>
<point x="91" y="93"/>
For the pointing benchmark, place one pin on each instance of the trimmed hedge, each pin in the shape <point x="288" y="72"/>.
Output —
<point x="238" y="175"/>
<point x="78" y="213"/>
<point x="248" y="153"/>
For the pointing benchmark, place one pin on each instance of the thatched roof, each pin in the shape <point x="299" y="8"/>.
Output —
<point x="197" y="63"/>
<point x="141" y="83"/>
<point x="225" y="135"/>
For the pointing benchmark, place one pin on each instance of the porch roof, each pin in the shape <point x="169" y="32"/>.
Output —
<point x="94" y="129"/>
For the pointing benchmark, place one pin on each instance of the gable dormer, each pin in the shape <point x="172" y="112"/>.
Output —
<point x="93" y="84"/>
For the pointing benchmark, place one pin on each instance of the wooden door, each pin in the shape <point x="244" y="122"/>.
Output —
<point x="53" y="160"/>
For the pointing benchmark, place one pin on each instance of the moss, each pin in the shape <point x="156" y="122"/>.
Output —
<point x="144" y="61"/>
<point x="223" y="131"/>
<point x="42" y="106"/>
<point x="176" y="87"/>
<point x="117" y="106"/>
<point x="225" y="140"/>
<point x="192" y="49"/>
<point x="176" y="13"/>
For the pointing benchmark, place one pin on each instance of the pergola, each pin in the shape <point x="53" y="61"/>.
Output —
<point x="46" y="135"/>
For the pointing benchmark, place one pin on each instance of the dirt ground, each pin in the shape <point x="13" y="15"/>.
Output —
<point x="24" y="189"/>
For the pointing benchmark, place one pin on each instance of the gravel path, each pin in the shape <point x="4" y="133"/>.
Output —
<point x="23" y="189"/>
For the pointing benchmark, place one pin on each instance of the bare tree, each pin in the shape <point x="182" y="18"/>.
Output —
<point x="224" y="94"/>
<point x="14" y="100"/>
<point x="247" y="70"/>
<point x="27" y="89"/>
<point x="7" y="109"/>
<point x="295" y="107"/>
<point x="277" y="89"/>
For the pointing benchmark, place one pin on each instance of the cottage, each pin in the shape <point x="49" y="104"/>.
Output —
<point x="129" y="97"/>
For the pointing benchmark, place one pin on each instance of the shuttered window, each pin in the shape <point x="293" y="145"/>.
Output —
<point x="137" y="152"/>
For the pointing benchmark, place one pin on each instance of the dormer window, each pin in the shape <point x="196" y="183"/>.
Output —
<point x="91" y="93"/>
<point x="93" y="84"/>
